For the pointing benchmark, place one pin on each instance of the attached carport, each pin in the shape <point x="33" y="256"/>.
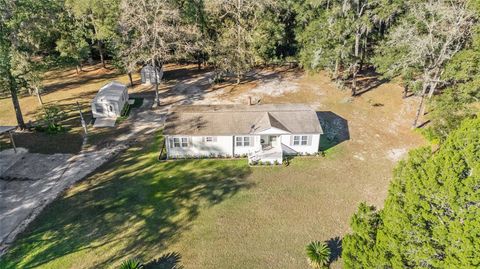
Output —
<point x="9" y="130"/>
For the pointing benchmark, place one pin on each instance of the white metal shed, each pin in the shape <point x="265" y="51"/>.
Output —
<point x="148" y="74"/>
<point x="110" y="100"/>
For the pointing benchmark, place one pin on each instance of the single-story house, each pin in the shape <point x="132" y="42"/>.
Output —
<point x="264" y="133"/>
<point x="110" y="100"/>
<point x="147" y="74"/>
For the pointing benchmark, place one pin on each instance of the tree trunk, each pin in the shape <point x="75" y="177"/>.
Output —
<point x="199" y="61"/>
<point x="432" y="88"/>
<point x="362" y="57"/>
<point x="16" y="104"/>
<point x="405" y="91"/>
<point x="76" y="68"/>
<point x="357" y="45"/>
<point x="420" y="107"/>
<point x="100" y="51"/>
<point x="354" y="80"/>
<point x="239" y="38"/>
<point x="157" y="96"/>
<point x="419" y="112"/>
<point x="335" y="72"/>
<point x="356" y="65"/>
<point x="130" y="78"/>
<point x="354" y="85"/>
<point x="39" y="96"/>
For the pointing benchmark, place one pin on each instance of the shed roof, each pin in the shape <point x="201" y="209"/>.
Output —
<point x="150" y="68"/>
<point x="112" y="91"/>
<point x="241" y="119"/>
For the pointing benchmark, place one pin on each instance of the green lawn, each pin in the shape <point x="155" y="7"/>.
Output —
<point x="211" y="213"/>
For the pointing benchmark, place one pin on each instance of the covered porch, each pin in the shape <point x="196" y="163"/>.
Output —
<point x="270" y="151"/>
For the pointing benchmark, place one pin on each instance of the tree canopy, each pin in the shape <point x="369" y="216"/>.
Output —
<point x="430" y="218"/>
<point x="431" y="46"/>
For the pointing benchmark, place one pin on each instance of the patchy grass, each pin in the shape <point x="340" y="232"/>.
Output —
<point x="134" y="206"/>
<point x="223" y="214"/>
<point x="64" y="88"/>
<point x="213" y="213"/>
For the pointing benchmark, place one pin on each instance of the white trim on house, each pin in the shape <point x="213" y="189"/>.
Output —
<point x="226" y="146"/>
<point x="273" y="130"/>
<point x="264" y="133"/>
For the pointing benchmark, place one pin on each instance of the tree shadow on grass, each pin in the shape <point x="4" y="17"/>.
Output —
<point x="170" y="260"/>
<point x="134" y="205"/>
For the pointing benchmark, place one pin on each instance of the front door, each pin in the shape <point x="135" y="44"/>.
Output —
<point x="268" y="141"/>
<point x="273" y="140"/>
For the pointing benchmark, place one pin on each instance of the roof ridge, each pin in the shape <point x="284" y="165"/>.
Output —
<point x="226" y="110"/>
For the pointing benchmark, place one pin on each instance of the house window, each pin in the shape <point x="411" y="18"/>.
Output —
<point x="300" y="140"/>
<point x="243" y="141"/>
<point x="179" y="142"/>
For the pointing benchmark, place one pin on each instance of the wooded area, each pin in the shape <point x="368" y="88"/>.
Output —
<point x="431" y="46"/>
<point x="430" y="218"/>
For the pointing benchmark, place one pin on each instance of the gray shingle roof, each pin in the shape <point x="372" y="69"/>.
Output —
<point x="241" y="119"/>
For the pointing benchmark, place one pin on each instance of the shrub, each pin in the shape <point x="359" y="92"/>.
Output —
<point x="318" y="254"/>
<point x="49" y="121"/>
<point x="286" y="162"/>
<point x="131" y="264"/>
<point x="275" y="162"/>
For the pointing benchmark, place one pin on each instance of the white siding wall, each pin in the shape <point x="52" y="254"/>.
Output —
<point x="222" y="146"/>
<point x="117" y="106"/>
<point x="226" y="146"/>
<point x="245" y="150"/>
<point x="311" y="148"/>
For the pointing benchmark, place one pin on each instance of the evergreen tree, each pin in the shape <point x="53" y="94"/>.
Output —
<point x="430" y="218"/>
<point x="358" y="248"/>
